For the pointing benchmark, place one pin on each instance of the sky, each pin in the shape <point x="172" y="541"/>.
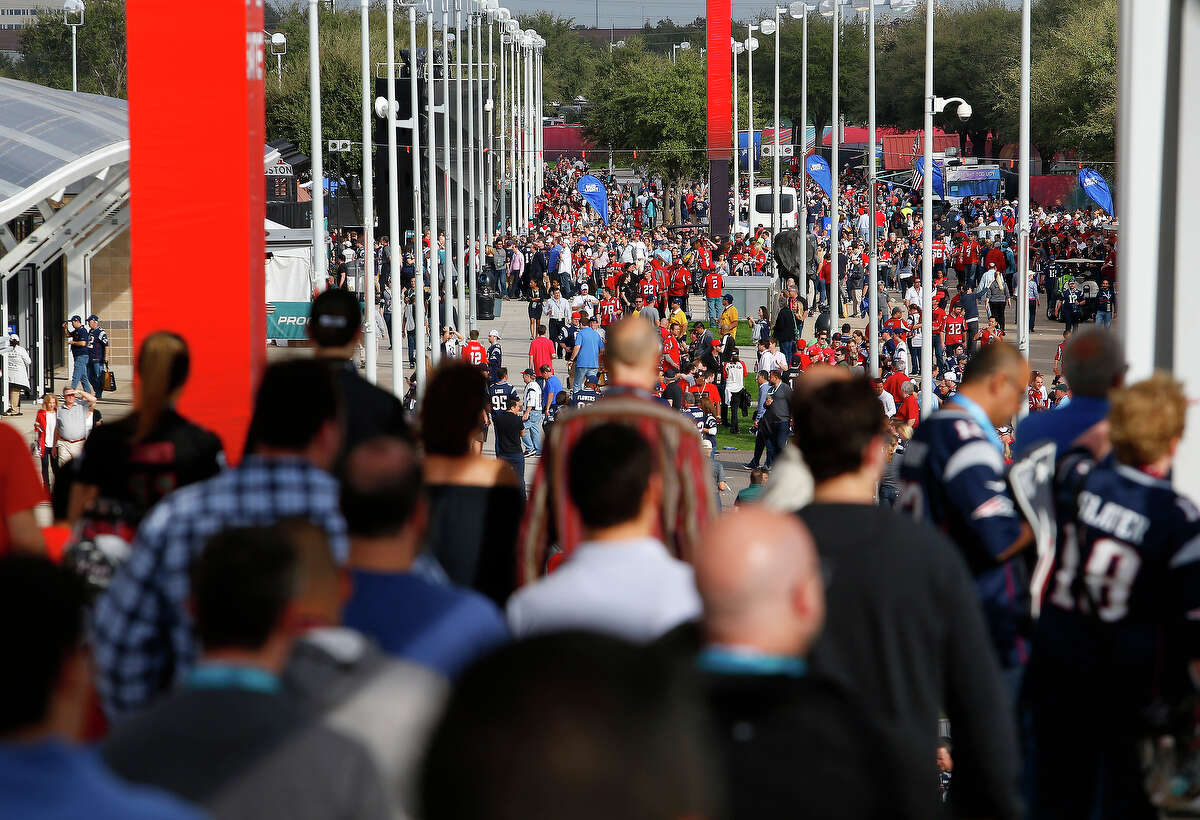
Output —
<point x="629" y="13"/>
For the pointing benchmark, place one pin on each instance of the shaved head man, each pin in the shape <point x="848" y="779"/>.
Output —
<point x="759" y="578"/>
<point x="633" y="353"/>
<point x="764" y="604"/>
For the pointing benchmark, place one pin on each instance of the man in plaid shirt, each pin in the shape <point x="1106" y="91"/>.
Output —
<point x="142" y="630"/>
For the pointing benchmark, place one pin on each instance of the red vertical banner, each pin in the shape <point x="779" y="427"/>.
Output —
<point x="720" y="80"/>
<point x="720" y="112"/>
<point x="196" y="180"/>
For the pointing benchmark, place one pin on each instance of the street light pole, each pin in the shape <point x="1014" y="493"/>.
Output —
<point x="751" y="47"/>
<point x="397" y="248"/>
<point x="435" y="347"/>
<point x="460" y="247"/>
<point x="471" y="183"/>
<point x="803" y="142"/>
<point x="1022" y="288"/>
<point x="772" y="27"/>
<point x="368" y="186"/>
<point x="448" y="268"/>
<point x="73" y="11"/>
<point x="737" y="49"/>
<point x="314" y="124"/>
<point x="927" y="227"/>
<point x="835" y="217"/>
<point x="873" y="277"/>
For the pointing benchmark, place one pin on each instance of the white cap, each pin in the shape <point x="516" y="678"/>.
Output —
<point x="950" y="376"/>
<point x="493" y="333"/>
<point x="583" y="287"/>
<point x="14" y="337"/>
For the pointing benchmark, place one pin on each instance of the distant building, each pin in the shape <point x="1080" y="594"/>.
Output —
<point x="15" y="15"/>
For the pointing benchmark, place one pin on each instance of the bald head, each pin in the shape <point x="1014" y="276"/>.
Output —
<point x="633" y="352"/>
<point x="759" y="577"/>
<point x="817" y="377"/>
<point x="1094" y="362"/>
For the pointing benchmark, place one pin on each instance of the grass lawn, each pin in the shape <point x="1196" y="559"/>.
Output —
<point x="741" y="337"/>
<point x="744" y="440"/>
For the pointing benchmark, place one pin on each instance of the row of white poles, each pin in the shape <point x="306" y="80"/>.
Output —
<point x="472" y="201"/>
<point x="933" y="104"/>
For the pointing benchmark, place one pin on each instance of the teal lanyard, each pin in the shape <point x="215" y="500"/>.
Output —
<point x="979" y="417"/>
<point x="226" y="676"/>
<point x="724" y="660"/>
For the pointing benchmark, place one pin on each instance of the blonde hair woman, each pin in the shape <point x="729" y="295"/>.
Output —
<point x="45" y="431"/>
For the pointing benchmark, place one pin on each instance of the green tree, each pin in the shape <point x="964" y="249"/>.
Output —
<point x="1073" y="79"/>
<point x="852" y="73"/>
<point x="102" y="57"/>
<point x="972" y="46"/>
<point x="569" y="61"/>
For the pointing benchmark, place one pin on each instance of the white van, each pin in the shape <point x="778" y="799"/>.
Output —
<point x="762" y="206"/>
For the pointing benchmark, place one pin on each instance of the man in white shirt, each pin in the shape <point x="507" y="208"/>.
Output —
<point x="912" y="296"/>
<point x="583" y="302"/>
<point x="620" y="580"/>
<point x="885" y="398"/>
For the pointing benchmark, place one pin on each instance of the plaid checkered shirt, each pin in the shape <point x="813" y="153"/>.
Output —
<point x="142" y="631"/>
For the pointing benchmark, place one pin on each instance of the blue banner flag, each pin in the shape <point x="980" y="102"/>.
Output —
<point x="939" y="185"/>
<point x="818" y="168"/>
<point x="1096" y="188"/>
<point x="593" y="190"/>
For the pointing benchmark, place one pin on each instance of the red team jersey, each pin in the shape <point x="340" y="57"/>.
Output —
<point x="609" y="308"/>
<point x="474" y="354"/>
<point x="955" y="327"/>
<point x="900" y="328"/>
<point x="713" y="285"/>
<point x="705" y="257"/>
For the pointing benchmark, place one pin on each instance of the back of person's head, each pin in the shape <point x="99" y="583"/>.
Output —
<point x="1094" y="362"/>
<point x="453" y="409"/>
<point x="382" y="487"/>
<point x="1146" y="420"/>
<point x="571" y="725"/>
<point x="241" y="585"/>
<point x="989" y="360"/>
<point x="633" y="347"/>
<point x="609" y="471"/>
<point x="759" y="577"/>
<point x="834" y="424"/>
<point x="321" y="588"/>
<point x="42" y="606"/>
<point x="295" y="403"/>
<point x="334" y="319"/>
<point x="162" y="367"/>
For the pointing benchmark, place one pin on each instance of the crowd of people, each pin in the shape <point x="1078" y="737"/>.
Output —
<point x="957" y="612"/>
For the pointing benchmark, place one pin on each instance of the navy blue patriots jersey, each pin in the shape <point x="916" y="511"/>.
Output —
<point x="494" y="356"/>
<point x="584" y="396"/>
<point x="1120" y="595"/>
<point x="499" y="395"/>
<point x="697" y="415"/>
<point x="953" y="477"/>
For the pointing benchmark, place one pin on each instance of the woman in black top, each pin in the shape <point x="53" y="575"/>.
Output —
<point x="535" y="309"/>
<point x="475" y="502"/>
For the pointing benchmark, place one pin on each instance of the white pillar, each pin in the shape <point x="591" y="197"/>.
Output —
<point x="737" y="154"/>
<point x="1023" y="195"/>
<point x="776" y="217"/>
<point x="460" y="244"/>
<point x="435" y="352"/>
<point x="447" y="278"/>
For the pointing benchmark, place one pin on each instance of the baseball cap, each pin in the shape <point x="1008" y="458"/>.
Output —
<point x="950" y="376"/>
<point x="493" y="333"/>
<point x="14" y="337"/>
<point x="583" y="287"/>
<point x="76" y="318"/>
<point x="528" y="372"/>
<point x="93" y="318"/>
<point x="1062" y="386"/>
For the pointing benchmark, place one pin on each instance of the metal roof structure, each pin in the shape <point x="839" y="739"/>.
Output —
<point x="53" y="142"/>
<point x="64" y="157"/>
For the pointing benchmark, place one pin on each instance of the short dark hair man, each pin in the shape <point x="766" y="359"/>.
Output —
<point x="621" y="580"/>
<point x="904" y="628"/>
<point x="954" y="478"/>
<point x="230" y="738"/>
<point x="143" y="641"/>
<point x="47" y="696"/>
<point x="335" y="328"/>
